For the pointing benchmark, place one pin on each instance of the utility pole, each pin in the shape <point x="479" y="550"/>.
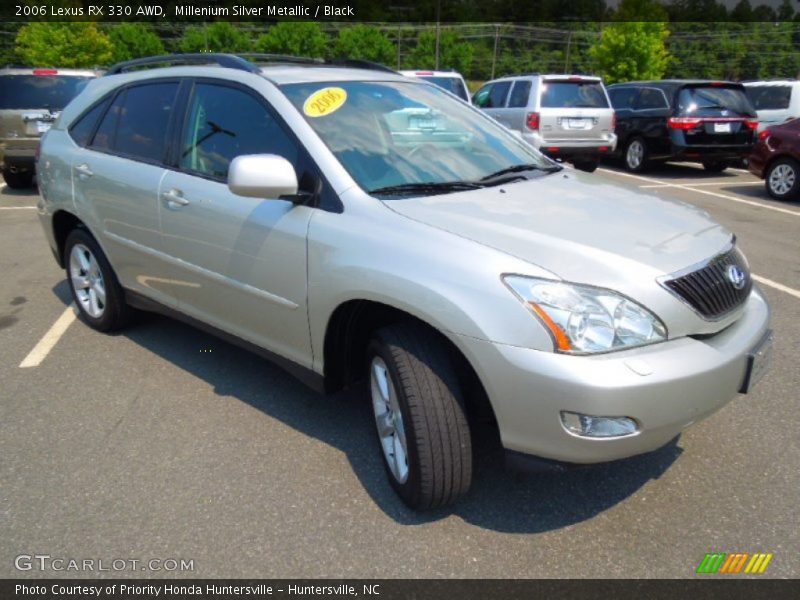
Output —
<point x="438" y="30"/>
<point x="494" y="54"/>
<point x="566" y="60"/>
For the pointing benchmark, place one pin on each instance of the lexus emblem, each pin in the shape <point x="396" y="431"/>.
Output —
<point x="736" y="276"/>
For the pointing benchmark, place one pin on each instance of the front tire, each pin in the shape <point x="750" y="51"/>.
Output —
<point x="419" y="416"/>
<point x="94" y="286"/>
<point x="19" y="180"/>
<point x="636" y="154"/>
<point x="782" y="179"/>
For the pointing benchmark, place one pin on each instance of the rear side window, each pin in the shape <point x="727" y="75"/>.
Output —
<point x="135" y="125"/>
<point x="714" y="101"/>
<point x="769" y="97"/>
<point x="520" y="94"/>
<point x="454" y="85"/>
<point x="83" y="128"/>
<point x="492" y="95"/>
<point x="651" y="98"/>
<point x="223" y="123"/>
<point x="573" y="94"/>
<point x="623" y="97"/>
<point x="18" y="92"/>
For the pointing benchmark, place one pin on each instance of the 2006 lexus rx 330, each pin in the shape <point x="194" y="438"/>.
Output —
<point x="351" y="223"/>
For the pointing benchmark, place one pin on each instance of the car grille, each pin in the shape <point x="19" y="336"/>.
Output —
<point x="711" y="290"/>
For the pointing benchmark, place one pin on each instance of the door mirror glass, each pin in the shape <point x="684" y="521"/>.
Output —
<point x="262" y="176"/>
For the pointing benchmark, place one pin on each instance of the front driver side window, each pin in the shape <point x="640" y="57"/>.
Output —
<point x="223" y="123"/>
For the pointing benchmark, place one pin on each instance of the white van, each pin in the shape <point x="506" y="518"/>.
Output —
<point x="775" y="101"/>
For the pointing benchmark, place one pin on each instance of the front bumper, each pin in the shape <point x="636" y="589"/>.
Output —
<point x="664" y="387"/>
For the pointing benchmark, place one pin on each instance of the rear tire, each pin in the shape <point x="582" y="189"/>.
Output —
<point x="635" y="157"/>
<point x="715" y="166"/>
<point x="782" y="179"/>
<point x="19" y="180"/>
<point x="94" y="286"/>
<point x="419" y="414"/>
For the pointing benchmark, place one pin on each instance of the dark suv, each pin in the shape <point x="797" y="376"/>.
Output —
<point x="710" y="122"/>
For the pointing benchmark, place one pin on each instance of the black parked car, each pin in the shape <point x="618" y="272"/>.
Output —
<point x="710" y="122"/>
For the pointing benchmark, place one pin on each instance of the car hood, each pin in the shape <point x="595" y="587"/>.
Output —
<point x="580" y="227"/>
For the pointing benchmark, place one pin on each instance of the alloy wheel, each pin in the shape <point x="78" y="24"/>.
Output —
<point x="87" y="281"/>
<point x="388" y="419"/>
<point x="781" y="179"/>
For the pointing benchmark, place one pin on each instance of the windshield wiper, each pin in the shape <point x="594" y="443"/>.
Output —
<point x="519" y="169"/>
<point x="426" y="188"/>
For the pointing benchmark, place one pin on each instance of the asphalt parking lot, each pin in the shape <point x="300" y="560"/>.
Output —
<point x="163" y="442"/>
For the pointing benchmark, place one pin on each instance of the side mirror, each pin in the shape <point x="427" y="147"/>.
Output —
<point x="262" y="176"/>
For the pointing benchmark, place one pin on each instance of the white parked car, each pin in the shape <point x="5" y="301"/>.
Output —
<point x="775" y="101"/>
<point x="451" y="81"/>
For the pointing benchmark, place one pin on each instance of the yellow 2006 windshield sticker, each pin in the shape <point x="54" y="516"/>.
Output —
<point x="324" y="102"/>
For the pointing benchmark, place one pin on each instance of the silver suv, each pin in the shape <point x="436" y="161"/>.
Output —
<point x="564" y="116"/>
<point x="30" y="101"/>
<point x="305" y="210"/>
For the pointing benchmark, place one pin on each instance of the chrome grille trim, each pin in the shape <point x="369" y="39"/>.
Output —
<point x="706" y="287"/>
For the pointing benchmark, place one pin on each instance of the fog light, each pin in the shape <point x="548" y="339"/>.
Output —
<point x="598" y="427"/>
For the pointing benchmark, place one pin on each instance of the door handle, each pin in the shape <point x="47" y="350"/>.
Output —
<point x="84" y="170"/>
<point x="174" y="199"/>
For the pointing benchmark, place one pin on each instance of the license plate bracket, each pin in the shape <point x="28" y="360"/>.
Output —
<point x="759" y="360"/>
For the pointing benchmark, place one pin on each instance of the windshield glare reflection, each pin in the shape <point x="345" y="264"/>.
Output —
<point x="396" y="133"/>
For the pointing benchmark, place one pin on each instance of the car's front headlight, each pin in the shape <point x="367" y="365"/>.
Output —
<point x="585" y="320"/>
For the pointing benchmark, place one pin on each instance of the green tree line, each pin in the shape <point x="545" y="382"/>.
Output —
<point x="639" y="39"/>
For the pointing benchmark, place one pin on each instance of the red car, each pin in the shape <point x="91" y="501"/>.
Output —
<point x="776" y="159"/>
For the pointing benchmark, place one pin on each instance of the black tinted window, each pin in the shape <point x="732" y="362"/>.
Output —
<point x="650" y="98"/>
<point x="142" y="127"/>
<point x="573" y="94"/>
<point x="81" y="130"/>
<point x="39" y="91"/>
<point x="623" y="97"/>
<point x="497" y="95"/>
<point x="520" y="94"/>
<point x="106" y="132"/>
<point x="224" y="123"/>
<point x="769" y="97"/>
<point x="713" y="100"/>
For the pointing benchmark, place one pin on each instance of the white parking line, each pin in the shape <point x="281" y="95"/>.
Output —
<point x="688" y="183"/>
<point x="715" y="194"/>
<point x="50" y="339"/>
<point x="17" y="208"/>
<point x="777" y="286"/>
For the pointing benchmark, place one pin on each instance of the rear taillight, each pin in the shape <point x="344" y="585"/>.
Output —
<point x="683" y="122"/>
<point x="613" y="121"/>
<point x="45" y="71"/>
<point x="764" y="134"/>
<point x="752" y="123"/>
<point x="532" y="121"/>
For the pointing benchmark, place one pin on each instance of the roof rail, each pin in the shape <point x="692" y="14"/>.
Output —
<point x="229" y="61"/>
<point x="243" y="62"/>
<point x="352" y="63"/>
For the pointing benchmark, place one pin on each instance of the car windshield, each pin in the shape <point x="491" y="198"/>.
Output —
<point x="769" y="97"/>
<point x="388" y="133"/>
<point x="39" y="91"/>
<point x="451" y="84"/>
<point x="573" y="94"/>
<point x="716" y="100"/>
